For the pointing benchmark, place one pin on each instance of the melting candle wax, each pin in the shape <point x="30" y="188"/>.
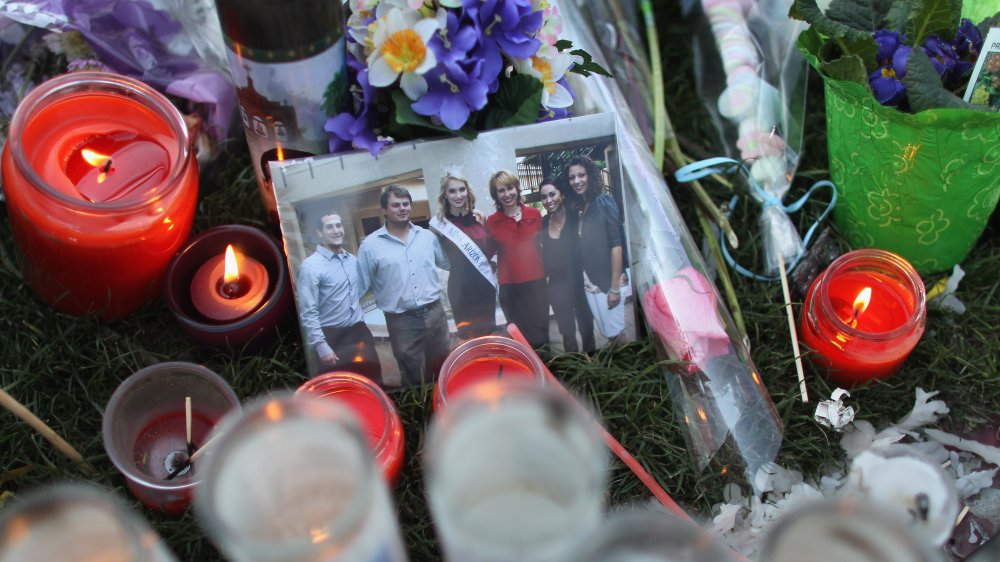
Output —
<point x="118" y="165"/>
<point x="484" y="369"/>
<point x="158" y="444"/>
<point x="885" y="309"/>
<point x="229" y="287"/>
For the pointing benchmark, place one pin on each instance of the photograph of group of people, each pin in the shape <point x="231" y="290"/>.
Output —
<point x="398" y="258"/>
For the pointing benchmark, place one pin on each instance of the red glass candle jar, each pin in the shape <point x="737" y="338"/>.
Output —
<point x="487" y="358"/>
<point x="101" y="185"/>
<point x="863" y="316"/>
<point x="245" y="320"/>
<point x="375" y="411"/>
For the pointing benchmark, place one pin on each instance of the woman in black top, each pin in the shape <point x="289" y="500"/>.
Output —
<point x="560" y="256"/>
<point x="602" y="243"/>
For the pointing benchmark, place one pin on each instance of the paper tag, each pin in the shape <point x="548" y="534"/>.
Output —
<point x="984" y="84"/>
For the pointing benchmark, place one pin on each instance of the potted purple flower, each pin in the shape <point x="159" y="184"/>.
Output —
<point x="917" y="168"/>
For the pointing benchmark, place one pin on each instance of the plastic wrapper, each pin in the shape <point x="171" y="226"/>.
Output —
<point x="144" y="40"/>
<point x="753" y="82"/>
<point x="719" y="398"/>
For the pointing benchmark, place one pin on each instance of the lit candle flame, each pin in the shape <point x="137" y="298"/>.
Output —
<point x="96" y="159"/>
<point x="232" y="272"/>
<point x="281" y="152"/>
<point x="861" y="304"/>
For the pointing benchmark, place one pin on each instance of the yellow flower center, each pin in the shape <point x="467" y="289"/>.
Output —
<point x="404" y="51"/>
<point x="888" y="73"/>
<point x="545" y="69"/>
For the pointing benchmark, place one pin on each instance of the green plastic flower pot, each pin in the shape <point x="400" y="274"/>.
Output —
<point x="921" y="185"/>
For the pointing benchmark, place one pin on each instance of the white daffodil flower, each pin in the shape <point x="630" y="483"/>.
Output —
<point x="399" y="50"/>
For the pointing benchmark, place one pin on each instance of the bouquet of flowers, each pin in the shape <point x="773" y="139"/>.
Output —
<point x="913" y="54"/>
<point x="426" y="67"/>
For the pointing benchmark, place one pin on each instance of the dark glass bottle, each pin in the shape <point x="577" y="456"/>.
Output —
<point x="287" y="59"/>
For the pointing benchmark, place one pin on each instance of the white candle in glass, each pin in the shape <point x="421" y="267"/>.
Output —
<point x="293" y="480"/>
<point x="76" y="523"/>
<point x="514" y="473"/>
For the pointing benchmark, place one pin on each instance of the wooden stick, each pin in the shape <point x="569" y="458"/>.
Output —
<point x="791" y="329"/>
<point x="187" y="424"/>
<point x="194" y="456"/>
<point x="201" y="450"/>
<point x="26" y="415"/>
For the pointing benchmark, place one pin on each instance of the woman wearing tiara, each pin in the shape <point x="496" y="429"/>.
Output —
<point x="472" y="287"/>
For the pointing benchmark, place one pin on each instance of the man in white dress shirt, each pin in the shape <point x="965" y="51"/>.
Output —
<point x="397" y="262"/>
<point x="329" y="293"/>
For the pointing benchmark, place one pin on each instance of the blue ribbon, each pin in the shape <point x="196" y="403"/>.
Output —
<point x="722" y="165"/>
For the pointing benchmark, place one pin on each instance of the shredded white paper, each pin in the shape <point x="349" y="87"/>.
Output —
<point x="743" y="521"/>
<point x="833" y="413"/>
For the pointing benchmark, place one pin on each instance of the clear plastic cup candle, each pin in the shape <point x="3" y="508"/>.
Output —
<point x="649" y="535"/>
<point x="514" y="473"/>
<point x="487" y="358"/>
<point x="76" y="523"/>
<point x="292" y="479"/>
<point x="843" y="531"/>
<point x="145" y="430"/>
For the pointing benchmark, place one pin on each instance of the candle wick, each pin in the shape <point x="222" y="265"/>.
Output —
<point x="192" y="448"/>
<point x="107" y="166"/>
<point x="500" y="371"/>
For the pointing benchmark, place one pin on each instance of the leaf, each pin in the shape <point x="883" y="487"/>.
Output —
<point x="933" y="17"/>
<point x="865" y="48"/>
<point x="859" y="14"/>
<point x="881" y="9"/>
<point x="898" y="15"/>
<point x="516" y="102"/>
<point x="924" y="88"/>
<point x="405" y="115"/>
<point x="985" y="25"/>
<point x="588" y="66"/>
<point x="563" y="44"/>
<point x="808" y="11"/>
<point x="850" y="68"/>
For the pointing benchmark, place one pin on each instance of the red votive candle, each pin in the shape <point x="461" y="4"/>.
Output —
<point x="487" y="358"/>
<point x="101" y="185"/>
<point x="376" y="414"/>
<point x="863" y="316"/>
<point x="243" y="309"/>
<point x="145" y="430"/>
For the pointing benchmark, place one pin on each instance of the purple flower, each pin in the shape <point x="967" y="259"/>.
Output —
<point x="886" y="82"/>
<point x="968" y="44"/>
<point x="454" y="39"/>
<point x="552" y="114"/>
<point x="455" y="90"/>
<point x="506" y="26"/>
<point x="942" y="55"/>
<point x="348" y="131"/>
<point x="888" y="42"/>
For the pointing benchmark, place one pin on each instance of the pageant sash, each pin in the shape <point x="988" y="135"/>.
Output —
<point x="469" y="249"/>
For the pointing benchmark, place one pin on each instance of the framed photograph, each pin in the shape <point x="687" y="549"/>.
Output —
<point x="398" y="258"/>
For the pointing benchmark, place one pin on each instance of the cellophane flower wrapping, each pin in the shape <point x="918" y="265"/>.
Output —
<point x="718" y="395"/>
<point x="753" y="82"/>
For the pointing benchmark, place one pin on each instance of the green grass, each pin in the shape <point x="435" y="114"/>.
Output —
<point x="65" y="368"/>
